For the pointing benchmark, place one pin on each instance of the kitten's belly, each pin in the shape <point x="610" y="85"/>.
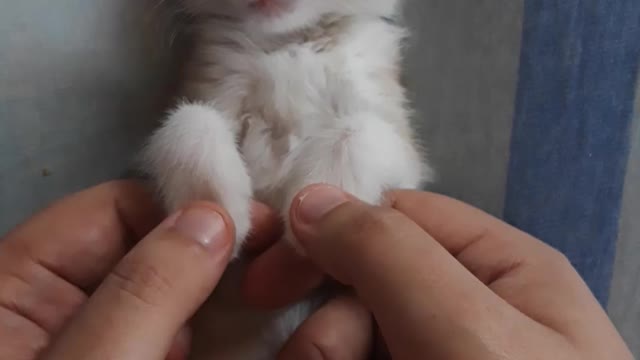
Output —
<point x="279" y="99"/>
<point x="290" y="95"/>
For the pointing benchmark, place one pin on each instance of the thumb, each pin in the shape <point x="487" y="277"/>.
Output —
<point x="418" y="292"/>
<point x="142" y="305"/>
<point x="353" y="241"/>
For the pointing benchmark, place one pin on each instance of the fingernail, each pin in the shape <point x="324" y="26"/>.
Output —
<point x="318" y="201"/>
<point x="203" y="225"/>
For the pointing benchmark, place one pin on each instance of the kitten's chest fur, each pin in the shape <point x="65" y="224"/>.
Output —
<point x="282" y="89"/>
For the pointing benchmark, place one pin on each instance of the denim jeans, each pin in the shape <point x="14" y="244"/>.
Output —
<point x="571" y="136"/>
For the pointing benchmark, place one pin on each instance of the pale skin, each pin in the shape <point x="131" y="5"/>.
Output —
<point x="437" y="279"/>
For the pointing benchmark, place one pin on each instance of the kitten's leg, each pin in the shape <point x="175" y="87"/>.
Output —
<point x="193" y="156"/>
<point x="363" y="155"/>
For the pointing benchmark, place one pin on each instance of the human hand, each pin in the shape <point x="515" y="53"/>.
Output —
<point x="71" y="283"/>
<point x="442" y="279"/>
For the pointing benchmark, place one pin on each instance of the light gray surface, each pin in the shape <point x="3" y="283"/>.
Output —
<point x="76" y="93"/>
<point x="624" y="305"/>
<point x="462" y="70"/>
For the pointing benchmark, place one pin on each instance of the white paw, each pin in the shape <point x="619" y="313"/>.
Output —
<point x="193" y="157"/>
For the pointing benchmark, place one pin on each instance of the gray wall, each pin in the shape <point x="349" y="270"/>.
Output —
<point x="77" y="93"/>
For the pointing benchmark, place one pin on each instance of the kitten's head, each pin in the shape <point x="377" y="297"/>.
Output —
<point x="273" y="16"/>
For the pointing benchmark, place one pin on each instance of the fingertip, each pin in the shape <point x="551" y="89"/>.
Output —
<point x="315" y="201"/>
<point x="309" y="208"/>
<point x="205" y="223"/>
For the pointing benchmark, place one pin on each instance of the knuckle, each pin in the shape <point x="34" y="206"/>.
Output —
<point x="144" y="283"/>
<point x="11" y="289"/>
<point x="558" y="261"/>
<point x="40" y="295"/>
<point x="22" y="339"/>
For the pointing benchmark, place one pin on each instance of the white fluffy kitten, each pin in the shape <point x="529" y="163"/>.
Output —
<point x="282" y="94"/>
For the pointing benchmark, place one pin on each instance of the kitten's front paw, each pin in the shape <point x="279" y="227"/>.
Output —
<point x="193" y="157"/>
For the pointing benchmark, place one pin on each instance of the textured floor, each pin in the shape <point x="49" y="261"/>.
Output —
<point x="79" y="91"/>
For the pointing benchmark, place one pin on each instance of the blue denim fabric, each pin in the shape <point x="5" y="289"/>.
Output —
<point x="571" y="134"/>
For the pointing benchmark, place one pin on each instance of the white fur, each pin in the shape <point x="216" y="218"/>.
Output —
<point x="311" y="96"/>
<point x="194" y="156"/>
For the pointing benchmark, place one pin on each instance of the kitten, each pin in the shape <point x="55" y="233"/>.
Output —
<point x="281" y="94"/>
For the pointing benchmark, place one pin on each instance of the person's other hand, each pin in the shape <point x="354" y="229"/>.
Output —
<point x="442" y="279"/>
<point x="71" y="283"/>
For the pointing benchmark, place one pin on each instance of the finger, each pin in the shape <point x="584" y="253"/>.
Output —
<point x="279" y="277"/>
<point x="21" y="339"/>
<point x="267" y="228"/>
<point x="154" y="290"/>
<point x="466" y="231"/>
<point x="45" y="263"/>
<point x="181" y="345"/>
<point x="530" y="275"/>
<point x="419" y="293"/>
<point x="81" y="237"/>
<point x="38" y="295"/>
<point x="518" y="267"/>
<point x="76" y="240"/>
<point x="48" y="263"/>
<point x="342" y="329"/>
